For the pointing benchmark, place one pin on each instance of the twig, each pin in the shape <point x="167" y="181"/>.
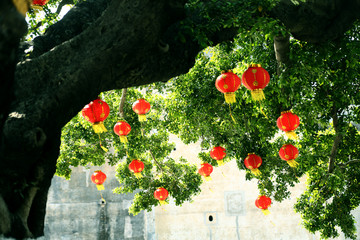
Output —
<point x="156" y="162"/>
<point x="342" y="165"/>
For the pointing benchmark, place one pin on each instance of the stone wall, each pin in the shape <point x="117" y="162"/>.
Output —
<point x="225" y="210"/>
<point x="75" y="210"/>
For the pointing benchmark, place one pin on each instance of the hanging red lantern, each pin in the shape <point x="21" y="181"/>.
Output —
<point x="205" y="171"/>
<point x="98" y="177"/>
<point x="263" y="202"/>
<point x="289" y="153"/>
<point x="218" y="153"/>
<point x="161" y="194"/>
<point x="256" y="78"/>
<point x="136" y="166"/>
<point x="38" y="4"/>
<point x="122" y="129"/>
<point x="288" y="122"/>
<point x="227" y="83"/>
<point x="253" y="162"/>
<point x="141" y="107"/>
<point x="96" y="112"/>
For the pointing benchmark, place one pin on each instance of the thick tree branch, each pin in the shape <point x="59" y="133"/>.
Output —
<point x="122" y="102"/>
<point x="317" y="21"/>
<point x="282" y="49"/>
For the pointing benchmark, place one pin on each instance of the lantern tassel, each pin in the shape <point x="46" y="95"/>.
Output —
<point x="220" y="162"/>
<point x="100" y="187"/>
<point x="99" y="127"/>
<point x="257" y="94"/>
<point x="265" y="211"/>
<point x="123" y="139"/>
<point x="256" y="171"/>
<point x="162" y="202"/>
<point x="138" y="175"/>
<point x="208" y="178"/>
<point x="230" y="97"/>
<point x="142" y="118"/>
<point x="293" y="163"/>
<point x="291" y="135"/>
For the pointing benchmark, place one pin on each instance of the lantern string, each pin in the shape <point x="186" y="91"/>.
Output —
<point x="102" y="147"/>
<point x="232" y="115"/>
<point x="142" y="129"/>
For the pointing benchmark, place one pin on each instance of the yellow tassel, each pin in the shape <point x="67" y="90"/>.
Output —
<point x="230" y="97"/>
<point x="220" y="162"/>
<point x="265" y="211"/>
<point x="208" y="178"/>
<point x="37" y="7"/>
<point x="257" y="94"/>
<point x="123" y="139"/>
<point x="104" y="148"/>
<point x="100" y="187"/>
<point x="138" y="175"/>
<point x="256" y="171"/>
<point x="291" y="135"/>
<point x="162" y="202"/>
<point x="293" y="163"/>
<point x="142" y="118"/>
<point x="99" y="127"/>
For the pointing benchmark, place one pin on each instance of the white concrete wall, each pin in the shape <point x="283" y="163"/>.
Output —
<point x="229" y="199"/>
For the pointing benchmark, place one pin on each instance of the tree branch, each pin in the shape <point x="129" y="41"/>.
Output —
<point x="282" y="49"/>
<point x="337" y="140"/>
<point x="122" y="102"/>
<point x="342" y="165"/>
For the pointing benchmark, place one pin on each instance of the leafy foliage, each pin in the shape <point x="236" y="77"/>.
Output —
<point x="320" y="85"/>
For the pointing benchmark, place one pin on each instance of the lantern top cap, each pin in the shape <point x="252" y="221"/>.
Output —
<point x="251" y="154"/>
<point x="122" y="120"/>
<point x="97" y="171"/>
<point x="289" y="111"/>
<point x="254" y="65"/>
<point x="225" y="71"/>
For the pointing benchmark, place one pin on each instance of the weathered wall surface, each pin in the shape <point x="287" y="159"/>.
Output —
<point x="75" y="210"/>
<point x="225" y="210"/>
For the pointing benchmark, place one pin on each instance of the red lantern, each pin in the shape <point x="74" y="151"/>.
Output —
<point x="136" y="166"/>
<point x="289" y="153"/>
<point x="141" y="107"/>
<point x="205" y="171"/>
<point x="263" y="202"/>
<point x="228" y="83"/>
<point x="218" y="153"/>
<point x="39" y="2"/>
<point x="161" y="194"/>
<point x="98" y="177"/>
<point x="253" y="162"/>
<point x="122" y="129"/>
<point x="288" y="122"/>
<point x="96" y="112"/>
<point x="256" y="78"/>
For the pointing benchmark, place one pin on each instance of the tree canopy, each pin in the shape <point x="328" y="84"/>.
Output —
<point x="310" y="49"/>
